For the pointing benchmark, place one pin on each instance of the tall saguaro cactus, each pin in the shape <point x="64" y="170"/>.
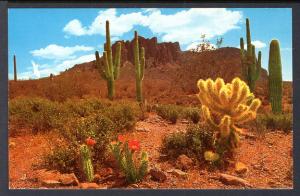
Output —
<point x="251" y="64"/>
<point x="15" y="68"/>
<point x="275" y="77"/>
<point x="139" y="61"/>
<point x="109" y="67"/>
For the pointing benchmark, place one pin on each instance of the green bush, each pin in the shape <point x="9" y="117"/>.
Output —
<point x="169" y="112"/>
<point x="95" y="126"/>
<point x="62" y="159"/>
<point x="276" y="122"/>
<point x="192" y="114"/>
<point x="123" y="116"/>
<point x="194" y="142"/>
<point x="37" y="113"/>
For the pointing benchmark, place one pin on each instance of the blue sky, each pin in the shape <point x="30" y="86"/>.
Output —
<point x="51" y="40"/>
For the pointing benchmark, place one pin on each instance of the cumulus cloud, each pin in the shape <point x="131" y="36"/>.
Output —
<point x="35" y="68"/>
<point x="118" y="24"/>
<point x="257" y="43"/>
<point x="185" y="26"/>
<point x="58" y="52"/>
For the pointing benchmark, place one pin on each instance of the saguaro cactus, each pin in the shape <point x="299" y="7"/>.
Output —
<point x="139" y="61"/>
<point x="275" y="77"/>
<point x="15" y="68"/>
<point x="251" y="64"/>
<point x="108" y="67"/>
<point x="224" y="106"/>
<point x="86" y="161"/>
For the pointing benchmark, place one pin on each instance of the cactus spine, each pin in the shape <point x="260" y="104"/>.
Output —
<point x="232" y="102"/>
<point x="139" y="61"/>
<point x="251" y="64"/>
<point x="108" y="67"/>
<point x="275" y="77"/>
<point x="86" y="161"/>
<point x="15" y="68"/>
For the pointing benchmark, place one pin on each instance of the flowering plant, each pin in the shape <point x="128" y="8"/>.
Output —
<point x="125" y="153"/>
<point x="90" y="142"/>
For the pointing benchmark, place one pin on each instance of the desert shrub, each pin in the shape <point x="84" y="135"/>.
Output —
<point x="96" y="126"/>
<point x="276" y="122"/>
<point x="192" y="114"/>
<point x="37" y="113"/>
<point x="122" y="115"/>
<point x="169" y="112"/>
<point x="85" y="107"/>
<point x="193" y="142"/>
<point x="62" y="159"/>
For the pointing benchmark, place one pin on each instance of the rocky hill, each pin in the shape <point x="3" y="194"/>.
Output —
<point x="170" y="75"/>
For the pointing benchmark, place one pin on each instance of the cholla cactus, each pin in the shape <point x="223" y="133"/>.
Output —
<point x="86" y="161"/>
<point x="224" y="106"/>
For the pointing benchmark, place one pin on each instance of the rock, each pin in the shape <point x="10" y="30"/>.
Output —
<point x="69" y="180"/>
<point x="158" y="175"/>
<point x="241" y="168"/>
<point x="179" y="173"/>
<point x="106" y="171"/>
<point x="97" y="178"/>
<point x="184" y="121"/>
<point x="157" y="53"/>
<point x="233" y="180"/>
<point x="89" y="185"/>
<point x="142" y="129"/>
<point x="50" y="183"/>
<point x="183" y="162"/>
<point x="11" y="144"/>
<point x="134" y="186"/>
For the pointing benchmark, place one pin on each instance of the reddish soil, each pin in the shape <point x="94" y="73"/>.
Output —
<point x="267" y="156"/>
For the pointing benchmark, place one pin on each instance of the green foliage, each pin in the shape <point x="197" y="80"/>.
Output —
<point x="37" y="113"/>
<point x="95" y="126"/>
<point x="275" y="77"/>
<point x="139" y="61"/>
<point x="169" y="112"/>
<point x="123" y="116"/>
<point x="282" y="122"/>
<point x="62" y="159"/>
<point x="133" y="169"/>
<point x="251" y="64"/>
<point x="86" y="161"/>
<point x="194" y="142"/>
<point x="108" y="67"/>
<point x="173" y="112"/>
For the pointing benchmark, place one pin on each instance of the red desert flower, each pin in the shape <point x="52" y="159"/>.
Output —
<point x="121" y="138"/>
<point x="134" y="145"/>
<point x="90" y="142"/>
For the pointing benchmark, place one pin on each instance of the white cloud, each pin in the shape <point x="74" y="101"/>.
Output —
<point x="44" y="70"/>
<point x="35" y="68"/>
<point x="57" y="52"/>
<point x="118" y="24"/>
<point x="184" y="26"/>
<point x="257" y="43"/>
<point x="194" y="45"/>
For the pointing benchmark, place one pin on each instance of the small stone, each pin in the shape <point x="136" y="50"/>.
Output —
<point x="141" y="129"/>
<point x="233" y="180"/>
<point x="183" y="162"/>
<point x="184" y="121"/>
<point x="241" y="168"/>
<point x="11" y="144"/>
<point x="50" y="183"/>
<point x="158" y="175"/>
<point x="179" y="173"/>
<point x="91" y="185"/>
<point x="69" y="180"/>
<point x="97" y="178"/>
<point x="134" y="186"/>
